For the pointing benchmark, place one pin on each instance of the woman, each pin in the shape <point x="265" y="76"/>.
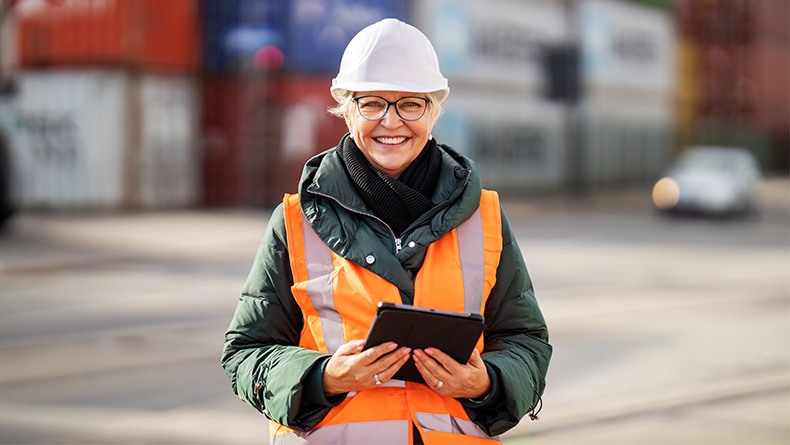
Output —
<point x="387" y="215"/>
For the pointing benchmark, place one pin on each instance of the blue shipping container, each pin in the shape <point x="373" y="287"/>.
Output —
<point x="319" y="30"/>
<point x="235" y="30"/>
<point x="310" y="35"/>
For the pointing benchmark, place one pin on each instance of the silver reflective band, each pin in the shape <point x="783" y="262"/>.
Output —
<point x="473" y="268"/>
<point x="318" y="259"/>
<point x="394" y="431"/>
<point x="392" y="383"/>
<point x="446" y="423"/>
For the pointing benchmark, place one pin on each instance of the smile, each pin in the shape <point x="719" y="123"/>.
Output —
<point x="391" y="141"/>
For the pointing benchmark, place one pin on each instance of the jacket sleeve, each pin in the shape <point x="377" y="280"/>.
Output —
<point x="517" y="351"/>
<point x="261" y="357"/>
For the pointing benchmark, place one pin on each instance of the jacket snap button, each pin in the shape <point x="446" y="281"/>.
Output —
<point x="370" y="259"/>
<point x="412" y="244"/>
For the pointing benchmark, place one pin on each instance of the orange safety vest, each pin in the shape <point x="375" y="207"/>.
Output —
<point x="338" y="301"/>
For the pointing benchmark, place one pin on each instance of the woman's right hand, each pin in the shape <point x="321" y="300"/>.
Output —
<point x="350" y="369"/>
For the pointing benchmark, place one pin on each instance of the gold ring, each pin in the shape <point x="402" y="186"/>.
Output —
<point x="378" y="382"/>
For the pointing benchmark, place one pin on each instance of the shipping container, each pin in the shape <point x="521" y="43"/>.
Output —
<point x="257" y="133"/>
<point x="234" y="31"/>
<point x="169" y="161"/>
<point x="626" y="46"/>
<point x="306" y="36"/>
<point x="626" y="143"/>
<point x="90" y="138"/>
<point x="627" y="115"/>
<point x="130" y="33"/>
<point x="519" y="141"/>
<point x="496" y="44"/>
<point x="319" y="30"/>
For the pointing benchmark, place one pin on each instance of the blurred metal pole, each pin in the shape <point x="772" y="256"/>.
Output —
<point x="577" y="165"/>
<point x="562" y="64"/>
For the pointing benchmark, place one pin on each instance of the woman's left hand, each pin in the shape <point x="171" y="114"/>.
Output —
<point x="450" y="378"/>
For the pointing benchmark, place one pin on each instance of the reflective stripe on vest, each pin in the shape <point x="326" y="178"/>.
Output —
<point x="318" y="259"/>
<point x="448" y="424"/>
<point x="461" y="263"/>
<point x="392" y="431"/>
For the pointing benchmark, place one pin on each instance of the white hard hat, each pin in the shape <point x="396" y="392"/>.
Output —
<point x="390" y="56"/>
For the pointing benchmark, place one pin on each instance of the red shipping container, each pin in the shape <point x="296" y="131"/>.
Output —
<point x="134" y="33"/>
<point x="257" y="134"/>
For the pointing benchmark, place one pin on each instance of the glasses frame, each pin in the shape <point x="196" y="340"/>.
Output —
<point x="389" y="104"/>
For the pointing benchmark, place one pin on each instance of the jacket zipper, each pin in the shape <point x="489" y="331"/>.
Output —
<point x="394" y="237"/>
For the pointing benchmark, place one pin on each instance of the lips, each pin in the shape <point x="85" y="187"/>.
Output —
<point x="391" y="140"/>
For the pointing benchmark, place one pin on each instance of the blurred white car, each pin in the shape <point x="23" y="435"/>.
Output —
<point x="709" y="180"/>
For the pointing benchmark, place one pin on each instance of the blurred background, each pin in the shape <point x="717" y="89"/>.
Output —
<point x="642" y="148"/>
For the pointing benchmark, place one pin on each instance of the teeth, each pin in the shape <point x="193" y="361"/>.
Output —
<point x="391" y="141"/>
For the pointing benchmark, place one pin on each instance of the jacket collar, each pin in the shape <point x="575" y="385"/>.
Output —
<point x="333" y="208"/>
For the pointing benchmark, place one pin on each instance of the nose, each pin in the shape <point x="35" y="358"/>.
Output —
<point x="391" y="119"/>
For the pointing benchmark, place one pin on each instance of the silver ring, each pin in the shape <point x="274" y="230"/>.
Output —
<point x="439" y="385"/>
<point x="378" y="382"/>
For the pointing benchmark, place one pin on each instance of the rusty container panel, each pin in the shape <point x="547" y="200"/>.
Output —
<point x="131" y="33"/>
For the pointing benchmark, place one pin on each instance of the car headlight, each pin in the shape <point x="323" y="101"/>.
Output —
<point x="666" y="193"/>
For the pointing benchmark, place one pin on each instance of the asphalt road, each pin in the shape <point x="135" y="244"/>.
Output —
<point x="665" y="330"/>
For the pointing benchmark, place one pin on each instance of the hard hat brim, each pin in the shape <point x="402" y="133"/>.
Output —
<point x="340" y="93"/>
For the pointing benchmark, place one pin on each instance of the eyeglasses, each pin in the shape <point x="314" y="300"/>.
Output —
<point x="374" y="108"/>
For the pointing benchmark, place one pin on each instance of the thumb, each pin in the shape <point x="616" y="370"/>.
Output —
<point x="475" y="359"/>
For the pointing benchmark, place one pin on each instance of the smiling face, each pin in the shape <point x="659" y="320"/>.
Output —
<point x="389" y="144"/>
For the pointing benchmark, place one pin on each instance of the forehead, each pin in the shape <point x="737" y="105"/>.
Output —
<point x="389" y="95"/>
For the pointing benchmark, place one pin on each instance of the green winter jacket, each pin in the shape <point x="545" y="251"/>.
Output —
<point x="269" y="371"/>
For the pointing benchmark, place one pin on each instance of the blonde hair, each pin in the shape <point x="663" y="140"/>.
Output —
<point x="345" y="106"/>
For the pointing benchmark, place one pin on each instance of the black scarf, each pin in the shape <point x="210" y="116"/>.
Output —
<point x="396" y="201"/>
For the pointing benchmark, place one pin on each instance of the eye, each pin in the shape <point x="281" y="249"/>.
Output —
<point x="371" y="104"/>
<point x="411" y="104"/>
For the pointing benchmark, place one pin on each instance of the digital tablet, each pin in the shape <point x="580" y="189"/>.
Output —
<point x="454" y="333"/>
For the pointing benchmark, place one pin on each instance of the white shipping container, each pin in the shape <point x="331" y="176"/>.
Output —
<point x="626" y="45"/>
<point x="68" y="145"/>
<point x="519" y="141"/>
<point x="625" y="141"/>
<point x="170" y="164"/>
<point x="497" y="43"/>
<point x="628" y="68"/>
<point x="90" y="138"/>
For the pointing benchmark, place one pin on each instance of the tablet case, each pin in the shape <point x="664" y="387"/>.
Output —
<point x="453" y="333"/>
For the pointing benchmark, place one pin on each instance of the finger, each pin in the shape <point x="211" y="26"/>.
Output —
<point x="371" y="355"/>
<point x="393" y="368"/>
<point x="386" y="361"/>
<point x="350" y="348"/>
<point x="430" y="378"/>
<point x="443" y="359"/>
<point x="431" y="366"/>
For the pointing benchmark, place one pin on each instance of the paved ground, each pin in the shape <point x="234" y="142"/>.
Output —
<point x="665" y="330"/>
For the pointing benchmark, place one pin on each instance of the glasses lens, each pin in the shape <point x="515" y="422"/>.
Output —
<point x="372" y="107"/>
<point x="411" y="108"/>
